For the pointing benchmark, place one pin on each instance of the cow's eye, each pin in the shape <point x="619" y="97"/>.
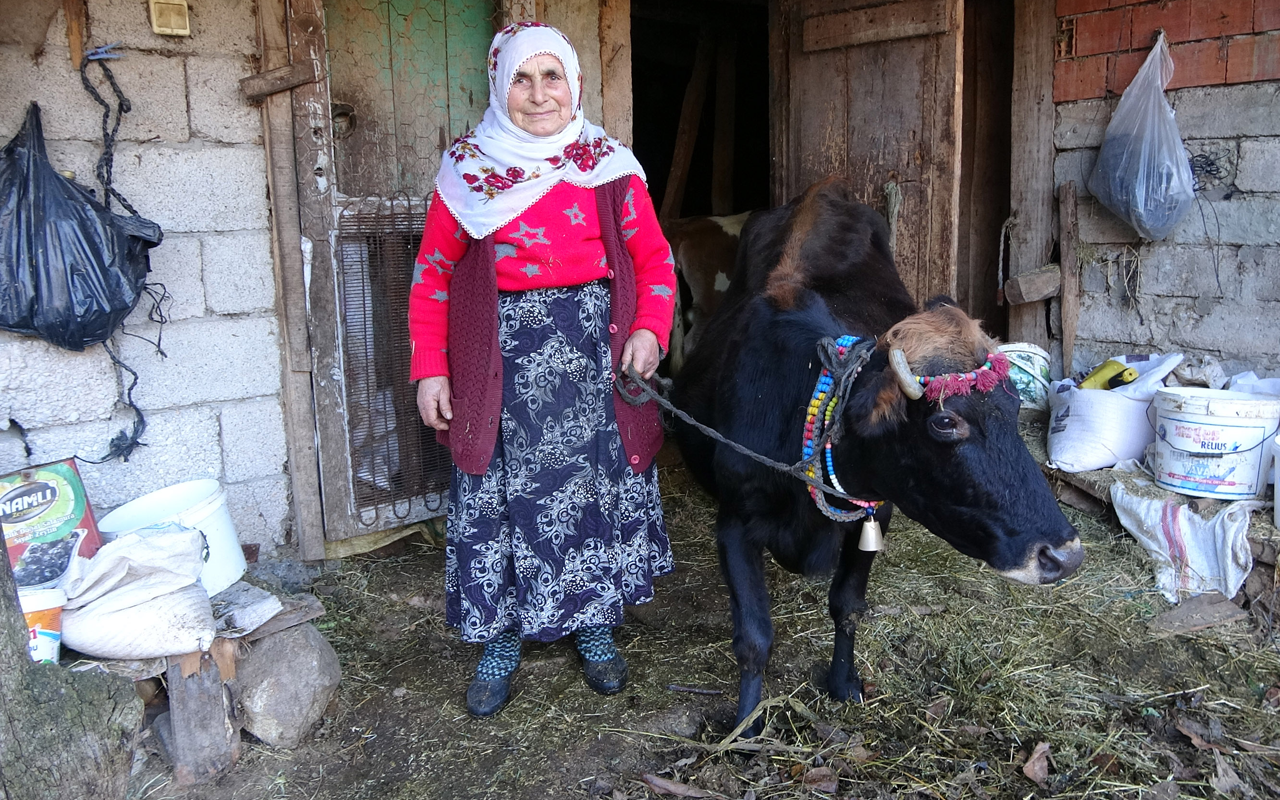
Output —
<point x="947" y="426"/>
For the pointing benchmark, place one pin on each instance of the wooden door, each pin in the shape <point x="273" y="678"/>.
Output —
<point x="403" y="78"/>
<point x="871" y="91"/>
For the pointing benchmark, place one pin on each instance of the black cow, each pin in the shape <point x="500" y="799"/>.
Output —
<point x="821" y="267"/>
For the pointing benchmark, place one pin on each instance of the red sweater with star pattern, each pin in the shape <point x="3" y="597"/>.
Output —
<point x="555" y="242"/>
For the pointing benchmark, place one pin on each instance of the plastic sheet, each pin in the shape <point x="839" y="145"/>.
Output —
<point x="70" y="270"/>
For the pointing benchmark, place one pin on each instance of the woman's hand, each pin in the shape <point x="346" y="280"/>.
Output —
<point x="434" y="402"/>
<point x="641" y="352"/>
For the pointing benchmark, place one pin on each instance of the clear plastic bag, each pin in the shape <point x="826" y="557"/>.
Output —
<point x="1142" y="173"/>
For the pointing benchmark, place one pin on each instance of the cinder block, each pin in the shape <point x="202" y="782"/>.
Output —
<point x="80" y="158"/>
<point x="1081" y="124"/>
<point x="1224" y="157"/>
<point x="1198" y="63"/>
<point x="211" y="359"/>
<point x="1079" y="78"/>
<point x="1244" y="219"/>
<point x="13" y="450"/>
<point x="1221" y="18"/>
<point x="43" y="385"/>
<point x="1075" y="165"/>
<point x="218" y="110"/>
<point x="1260" y="273"/>
<point x="1253" y="58"/>
<point x="238" y="274"/>
<point x="1191" y="271"/>
<point x="176" y="264"/>
<point x="1232" y="329"/>
<point x="222" y="27"/>
<point x="260" y="511"/>
<point x="181" y="445"/>
<point x="1259" y="169"/>
<point x="196" y="188"/>
<point x="1097" y="225"/>
<point x="253" y="440"/>
<point x="1224" y="112"/>
<point x="1104" y="320"/>
<point x="1105" y="32"/>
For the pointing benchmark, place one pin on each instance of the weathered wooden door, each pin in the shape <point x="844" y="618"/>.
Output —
<point x="403" y="79"/>
<point x="871" y="91"/>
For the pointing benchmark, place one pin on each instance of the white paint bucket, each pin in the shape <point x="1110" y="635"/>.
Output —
<point x="42" y="609"/>
<point x="1213" y="443"/>
<point x="1029" y="370"/>
<point x="198" y="504"/>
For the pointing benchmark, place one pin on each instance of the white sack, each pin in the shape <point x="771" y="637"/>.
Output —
<point x="1096" y="428"/>
<point x="1192" y="555"/>
<point x="139" y="597"/>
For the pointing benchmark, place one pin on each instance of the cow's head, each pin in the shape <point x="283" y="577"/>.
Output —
<point x="957" y="464"/>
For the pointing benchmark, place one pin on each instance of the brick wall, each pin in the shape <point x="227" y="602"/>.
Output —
<point x="1102" y="43"/>
<point x="190" y="157"/>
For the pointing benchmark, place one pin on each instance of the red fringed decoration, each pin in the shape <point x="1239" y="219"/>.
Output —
<point x="986" y="379"/>
<point x="943" y="386"/>
<point x="939" y="387"/>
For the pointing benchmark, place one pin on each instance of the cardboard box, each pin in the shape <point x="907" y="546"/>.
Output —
<point x="45" y="517"/>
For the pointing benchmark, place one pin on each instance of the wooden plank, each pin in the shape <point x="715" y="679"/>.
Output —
<point x="468" y="31"/>
<point x="77" y="15"/>
<point x="298" y="609"/>
<point x="1031" y="197"/>
<point x="1070" y="274"/>
<point x="1032" y="287"/>
<point x="781" y="20"/>
<point x="901" y="20"/>
<point x="695" y="95"/>
<point x="291" y="300"/>
<point x="1197" y="613"/>
<point x="615" y="68"/>
<point x="820" y="119"/>
<point x="204" y="741"/>
<point x="722" y="148"/>
<point x="257" y="87"/>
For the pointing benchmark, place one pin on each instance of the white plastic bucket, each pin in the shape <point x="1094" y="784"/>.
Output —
<point x="1213" y="443"/>
<point x="1029" y="370"/>
<point x="42" y="609"/>
<point x="198" y="504"/>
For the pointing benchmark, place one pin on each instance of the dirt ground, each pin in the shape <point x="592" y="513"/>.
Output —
<point x="975" y="689"/>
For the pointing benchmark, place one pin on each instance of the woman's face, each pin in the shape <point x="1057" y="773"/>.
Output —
<point x="539" y="101"/>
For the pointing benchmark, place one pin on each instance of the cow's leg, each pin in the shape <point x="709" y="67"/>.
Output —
<point x="848" y="605"/>
<point x="743" y="566"/>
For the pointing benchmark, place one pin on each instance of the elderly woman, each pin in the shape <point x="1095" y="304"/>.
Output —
<point x="542" y="272"/>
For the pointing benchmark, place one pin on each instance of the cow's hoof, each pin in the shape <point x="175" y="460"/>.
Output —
<point x="606" y="677"/>
<point x="846" y="690"/>
<point x="486" y="698"/>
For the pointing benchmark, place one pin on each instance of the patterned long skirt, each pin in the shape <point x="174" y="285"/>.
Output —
<point x="559" y="533"/>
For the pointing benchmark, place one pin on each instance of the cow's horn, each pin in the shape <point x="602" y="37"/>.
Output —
<point x="902" y="370"/>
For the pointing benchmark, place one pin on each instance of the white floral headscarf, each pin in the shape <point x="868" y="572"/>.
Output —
<point x="493" y="174"/>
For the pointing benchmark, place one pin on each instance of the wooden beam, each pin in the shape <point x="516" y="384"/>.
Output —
<point x="901" y="20"/>
<point x="297" y="395"/>
<point x="1032" y="287"/>
<point x="203" y="741"/>
<point x="695" y="95"/>
<point x="722" y="149"/>
<point x="1070" y="273"/>
<point x="1031" y="197"/>
<point x="615" y="68"/>
<point x="258" y="87"/>
<point x="780" y="22"/>
<point x="77" y="14"/>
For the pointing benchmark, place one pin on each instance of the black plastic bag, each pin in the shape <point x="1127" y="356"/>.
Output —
<point x="70" y="270"/>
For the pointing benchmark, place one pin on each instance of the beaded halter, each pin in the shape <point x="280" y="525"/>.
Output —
<point x="821" y="413"/>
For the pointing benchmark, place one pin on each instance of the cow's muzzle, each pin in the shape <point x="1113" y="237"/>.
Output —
<point x="1048" y="564"/>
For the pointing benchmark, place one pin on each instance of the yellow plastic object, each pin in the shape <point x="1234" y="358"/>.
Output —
<point x="170" y="18"/>
<point x="1109" y="375"/>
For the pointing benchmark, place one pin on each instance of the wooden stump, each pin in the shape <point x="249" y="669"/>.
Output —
<point x="64" y="735"/>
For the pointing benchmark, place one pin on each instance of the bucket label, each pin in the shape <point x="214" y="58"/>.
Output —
<point x="1231" y="475"/>
<point x="1193" y="436"/>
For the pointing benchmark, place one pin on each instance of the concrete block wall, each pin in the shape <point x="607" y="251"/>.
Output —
<point x="1212" y="287"/>
<point x="190" y="157"/>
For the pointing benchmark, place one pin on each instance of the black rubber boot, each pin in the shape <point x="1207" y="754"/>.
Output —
<point x="491" y="687"/>
<point x="602" y="665"/>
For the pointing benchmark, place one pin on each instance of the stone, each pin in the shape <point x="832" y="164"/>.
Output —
<point x="13" y="450"/>
<point x="1081" y="124"/>
<point x="260" y="511"/>
<point x="218" y="111"/>
<point x="283" y="686"/>
<point x="195" y="188"/>
<point x="223" y="27"/>
<point x="253" y="440"/>
<point x="1097" y="225"/>
<point x="239" y="275"/>
<point x="1221" y="112"/>
<point x="42" y="385"/>
<point x="1243" y="219"/>
<point x="1075" y="165"/>
<point x="210" y="359"/>
<point x="176" y="263"/>
<point x="1259" y="169"/>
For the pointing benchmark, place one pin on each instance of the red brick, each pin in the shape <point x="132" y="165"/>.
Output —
<point x="1067" y="8"/>
<point x="1253" y="58"/>
<point x="1122" y="68"/>
<point x="1079" y="79"/>
<point x="1210" y="18"/>
<point x="1107" y="32"/>
<point x="1266" y="15"/>
<point x="1198" y="64"/>
<point x="1174" y="17"/>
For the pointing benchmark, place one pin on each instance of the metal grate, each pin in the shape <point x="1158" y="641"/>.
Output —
<point x="395" y="460"/>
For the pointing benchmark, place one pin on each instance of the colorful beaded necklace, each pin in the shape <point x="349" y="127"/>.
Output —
<point x="821" y="412"/>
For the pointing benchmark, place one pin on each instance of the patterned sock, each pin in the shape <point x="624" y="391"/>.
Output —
<point x="595" y="643"/>
<point x="501" y="657"/>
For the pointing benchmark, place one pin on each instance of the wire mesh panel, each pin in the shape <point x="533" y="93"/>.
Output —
<point x="395" y="459"/>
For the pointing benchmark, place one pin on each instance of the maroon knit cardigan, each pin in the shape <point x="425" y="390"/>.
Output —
<point x="475" y="360"/>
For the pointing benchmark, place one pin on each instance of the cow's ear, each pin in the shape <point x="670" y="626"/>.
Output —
<point x="878" y="406"/>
